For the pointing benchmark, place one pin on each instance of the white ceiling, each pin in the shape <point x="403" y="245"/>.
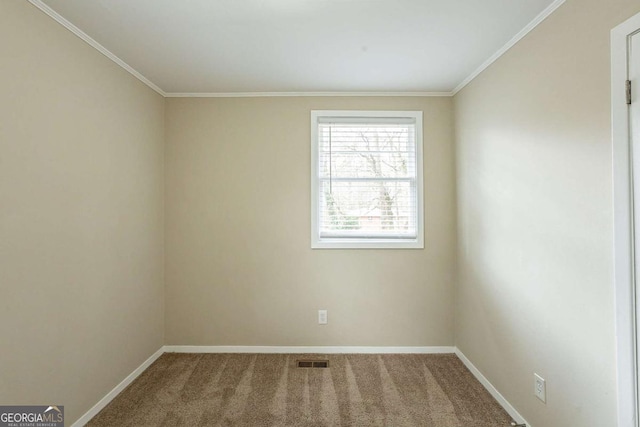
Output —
<point x="214" y="46"/>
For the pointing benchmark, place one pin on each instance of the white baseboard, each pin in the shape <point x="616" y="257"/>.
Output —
<point x="299" y="350"/>
<point x="304" y="349"/>
<point x="113" y="393"/>
<point x="492" y="390"/>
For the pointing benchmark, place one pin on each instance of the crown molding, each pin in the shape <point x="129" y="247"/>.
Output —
<point x="526" y="30"/>
<point x="294" y="94"/>
<point x="90" y="41"/>
<point x="82" y="35"/>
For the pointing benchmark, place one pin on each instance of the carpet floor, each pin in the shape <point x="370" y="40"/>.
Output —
<point x="270" y="390"/>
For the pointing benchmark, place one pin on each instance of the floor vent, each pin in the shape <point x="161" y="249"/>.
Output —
<point x="307" y="363"/>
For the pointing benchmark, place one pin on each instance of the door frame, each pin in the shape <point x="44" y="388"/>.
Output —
<point x="624" y="277"/>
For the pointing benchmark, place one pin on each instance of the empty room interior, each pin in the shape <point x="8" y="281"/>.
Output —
<point x="308" y="212"/>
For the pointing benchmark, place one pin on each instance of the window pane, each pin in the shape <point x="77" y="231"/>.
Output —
<point x="368" y="208"/>
<point x="367" y="179"/>
<point x="367" y="151"/>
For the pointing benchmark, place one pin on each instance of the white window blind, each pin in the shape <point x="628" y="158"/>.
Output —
<point x="367" y="179"/>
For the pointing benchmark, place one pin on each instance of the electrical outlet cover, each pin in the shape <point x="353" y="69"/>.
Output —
<point x="322" y="317"/>
<point x="540" y="387"/>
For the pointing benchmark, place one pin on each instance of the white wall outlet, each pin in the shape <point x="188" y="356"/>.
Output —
<point x="322" y="317"/>
<point x="540" y="387"/>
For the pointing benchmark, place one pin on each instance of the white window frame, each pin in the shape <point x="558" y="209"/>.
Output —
<point x="318" y="242"/>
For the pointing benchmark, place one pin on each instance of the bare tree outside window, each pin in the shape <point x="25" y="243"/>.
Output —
<point x="368" y="178"/>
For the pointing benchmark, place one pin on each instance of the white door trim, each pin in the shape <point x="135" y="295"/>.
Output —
<point x="623" y="226"/>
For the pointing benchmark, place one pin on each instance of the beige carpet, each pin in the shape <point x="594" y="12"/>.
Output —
<point x="269" y="390"/>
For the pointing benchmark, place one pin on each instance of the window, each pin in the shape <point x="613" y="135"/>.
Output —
<point x="366" y="179"/>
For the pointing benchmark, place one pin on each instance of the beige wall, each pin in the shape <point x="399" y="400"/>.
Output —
<point x="82" y="237"/>
<point x="535" y="291"/>
<point x="81" y="222"/>
<point x="240" y="270"/>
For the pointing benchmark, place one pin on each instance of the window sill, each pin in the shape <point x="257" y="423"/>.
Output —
<point x="366" y="244"/>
